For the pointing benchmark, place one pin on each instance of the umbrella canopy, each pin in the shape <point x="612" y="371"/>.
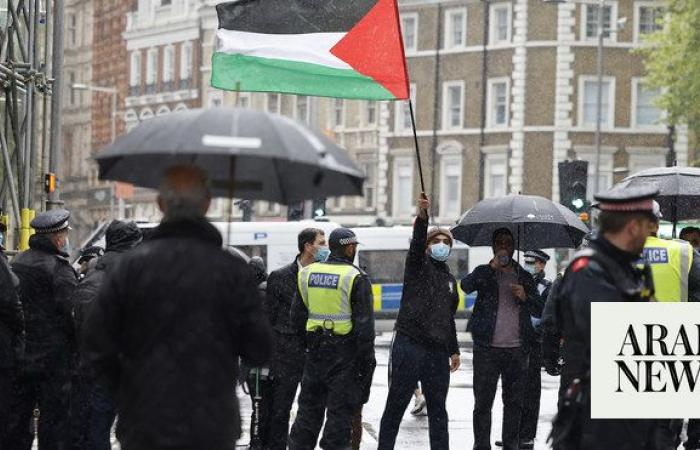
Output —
<point x="268" y="157"/>
<point x="679" y="190"/>
<point x="535" y="222"/>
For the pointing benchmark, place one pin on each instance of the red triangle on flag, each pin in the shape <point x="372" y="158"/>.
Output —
<point x="374" y="48"/>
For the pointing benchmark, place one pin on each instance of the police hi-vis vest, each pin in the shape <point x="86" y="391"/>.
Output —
<point x="670" y="265"/>
<point x="325" y="290"/>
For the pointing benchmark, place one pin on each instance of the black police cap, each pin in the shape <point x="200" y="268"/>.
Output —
<point x="51" y="221"/>
<point x="340" y="237"/>
<point x="537" y="254"/>
<point x="627" y="199"/>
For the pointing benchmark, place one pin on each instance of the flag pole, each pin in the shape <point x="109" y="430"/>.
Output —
<point x="415" y="140"/>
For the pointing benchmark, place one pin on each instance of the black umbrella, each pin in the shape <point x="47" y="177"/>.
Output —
<point x="679" y="190"/>
<point x="248" y="154"/>
<point x="536" y="223"/>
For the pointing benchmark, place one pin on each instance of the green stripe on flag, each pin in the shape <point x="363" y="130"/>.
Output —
<point x="292" y="77"/>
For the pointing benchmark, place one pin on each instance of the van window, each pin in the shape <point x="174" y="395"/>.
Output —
<point x="383" y="266"/>
<point x="254" y="250"/>
<point x="459" y="262"/>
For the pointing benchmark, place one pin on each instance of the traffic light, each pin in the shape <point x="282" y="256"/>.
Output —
<point x="295" y="211"/>
<point x="319" y="208"/>
<point x="573" y="179"/>
<point x="49" y="182"/>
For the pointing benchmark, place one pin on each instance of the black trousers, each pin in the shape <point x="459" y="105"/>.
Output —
<point x="50" y="392"/>
<point x="260" y="391"/>
<point x="6" y="389"/>
<point x="330" y="387"/>
<point x="287" y="370"/>
<point x="693" y="442"/>
<point x="490" y="364"/>
<point x="533" y="391"/>
<point x="412" y="362"/>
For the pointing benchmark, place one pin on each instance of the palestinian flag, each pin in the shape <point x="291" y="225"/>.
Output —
<point x="328" y="48"/>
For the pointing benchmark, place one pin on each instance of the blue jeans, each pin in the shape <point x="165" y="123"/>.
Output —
<point x="102" y="414"/>
<point x="412" y="362"/>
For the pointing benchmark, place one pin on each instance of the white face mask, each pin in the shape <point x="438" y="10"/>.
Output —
<point x="531" y="268"/>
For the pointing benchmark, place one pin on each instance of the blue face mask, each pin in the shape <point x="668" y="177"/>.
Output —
<point x="322" y="254"/>
<point x="440" y="251"/>
<point x="530" y="268"/>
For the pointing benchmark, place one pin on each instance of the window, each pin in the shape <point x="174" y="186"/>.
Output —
<point x="498" y="99"/>
<point x="152" y="66"/>
<point x="605" y="181"/>
<point x="369" y="168"/>
<point x="495" y="172"/>
<point x="186" y="61"/>
<point x="73" y="93"/>
<point x="455" y="28"/>
<point x="403" y="113"/>
<point x="338" y="112"/>
<point x="452" y="104"/>
<point x="590" y="24"/>
<point x="370" y="112"/>
<point x="273" y="103"/>
<point x="166" y="2"/>
<point x="588" y="102"/>
<point x="72" y="25"/>
<point x="645" y="113"/>
<point x="648" y="18"/>
<point x="243" y="100"/>
<point x="450" y="186"/>
<point x="403" y="186"/>
<point x="409" y="30"/>
<point x="168" y="64"/>
<point x="645" y="158"/>
<point x="500" y="29"/>
<point x="302" y="108"/>
<point x="216" y="98"/>
<point x="135" y="69"/>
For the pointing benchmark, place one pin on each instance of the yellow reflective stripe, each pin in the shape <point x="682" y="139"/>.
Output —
<point x="333" y="317"/>
<point x="685" y="269"/>
<point x="304" y="284"/>
<point x="345" y="289"/>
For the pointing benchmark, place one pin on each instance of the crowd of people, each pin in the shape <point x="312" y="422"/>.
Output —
<point x="159" y="331"/>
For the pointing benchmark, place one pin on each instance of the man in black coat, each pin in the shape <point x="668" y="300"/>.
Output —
<point x="288" y="361"/>
<point x="425" y="347"/>
<point x="11" y="341"/>
<point x="92" y="407"/>
<point x="169" y="325"/>
<point x="502" y="332"/>
<point x="47" y="285"/>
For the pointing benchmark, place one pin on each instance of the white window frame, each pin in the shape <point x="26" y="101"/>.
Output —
<point x="607" y="161"/>
<point x="634" y="122"/>
<point x="445" y="159"/>
<point x="245" y="100"/>
<point x="612" y="25"/>
<point x="73" y="30"/>
<point x="493" y="25"/>
<point x="186" y="58"/>
<point x="152" y="66"/>
<point x="361" y="202"/>
<point x="215" y="96"/>
<point x="135" y="68"/>
<point x="638" y="5"/>
<point x="449" y="31"/>
<point x="646" y="157"/>
<point x="338" y="107"/>
<point x="414" y="16"/>
<point x="308" y="108"/>
<point x="492" y="155"/>
<point x="399" y="111"/>
<point x="447" y="106"/>
<point x="401" y="161"/>
<point x="279" y="103"/>
<point x="610" y="123"/>
<point x="168" y="63"/>
<point x="366" y="112"/>
<point x="491" y="105"/>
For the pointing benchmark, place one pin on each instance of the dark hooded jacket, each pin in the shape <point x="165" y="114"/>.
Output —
<point x="119" y="237"/>
<point x="169" y="325"/>
<point x="47" y="286"/>
<point x="11" y="317"/>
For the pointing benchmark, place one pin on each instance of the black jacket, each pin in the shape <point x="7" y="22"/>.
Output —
<point x="483" y="319"/>
<point x="281" y="290"/>
<point x="47" y="285"/>
<point x="361" y="303"/>
<point x="429" y="299"/>
<point x="169" y="325"/>
<point x="11" y="317"/>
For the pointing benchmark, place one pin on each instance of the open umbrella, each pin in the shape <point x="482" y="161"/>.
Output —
<point x="248" y="154"/>
<point x="679" y="190"/>
<point x="536" y="223"/>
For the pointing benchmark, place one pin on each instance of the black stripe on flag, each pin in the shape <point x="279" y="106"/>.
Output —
<point x="292" y="16"/>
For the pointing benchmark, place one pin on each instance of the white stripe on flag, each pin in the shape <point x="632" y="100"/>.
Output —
<point x="311" y="48"/>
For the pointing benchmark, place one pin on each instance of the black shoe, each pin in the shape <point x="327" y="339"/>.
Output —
<point x="499" y="444"/>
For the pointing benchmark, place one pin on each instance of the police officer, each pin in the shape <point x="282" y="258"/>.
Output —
<point x="335" y="303"/>
<point x="535" y="263"/>
<point x="605" y="271"/>
<point x="47" y="283"/>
